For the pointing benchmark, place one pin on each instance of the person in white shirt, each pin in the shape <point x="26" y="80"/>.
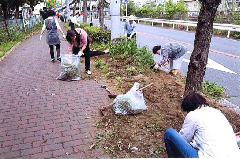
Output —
<point x="205" y="132"/>
<point x="74" y="21"/>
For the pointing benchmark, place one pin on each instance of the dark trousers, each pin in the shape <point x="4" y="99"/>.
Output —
<point x="75" y="51"/>
<point x="134" y="35"/>
<point x="52" y="52"/>
<point x="95" y="53"/>
<point x="72" y="25"/>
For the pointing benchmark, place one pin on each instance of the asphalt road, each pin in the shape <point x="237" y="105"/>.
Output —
<point x="224" y="56"/>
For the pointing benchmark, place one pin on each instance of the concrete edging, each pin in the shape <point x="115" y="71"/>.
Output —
<point x="10" y="51"/>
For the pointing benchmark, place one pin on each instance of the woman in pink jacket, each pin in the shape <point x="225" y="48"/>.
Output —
<point x="78" y="44"/>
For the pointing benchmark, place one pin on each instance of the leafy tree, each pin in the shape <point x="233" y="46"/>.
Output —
<point x="169" y="9"/>
<point x="131" y="8"/>
<point x="199" y="57"/>
<point x="50" y="4"/>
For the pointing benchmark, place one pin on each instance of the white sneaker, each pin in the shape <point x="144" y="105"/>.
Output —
<point x="89" y="72"/>
<point x="106" y="51"/>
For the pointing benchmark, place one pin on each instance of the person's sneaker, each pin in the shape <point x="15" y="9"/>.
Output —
<point x="53" y="59"/>
<point x="59" y="59"/>
<point x="173" y="74"/>
<point x="89" y="72"/>
<point x="106" y="51"/>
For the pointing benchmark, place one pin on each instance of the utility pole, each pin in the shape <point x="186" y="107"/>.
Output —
<point x="115" y="18"/>
<point x="67" y="5"/>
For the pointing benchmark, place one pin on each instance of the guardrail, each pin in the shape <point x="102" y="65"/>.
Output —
<point x="227" y="27"/>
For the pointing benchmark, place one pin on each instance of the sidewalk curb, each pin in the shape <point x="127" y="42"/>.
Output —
<point x="10" y="51"/>
<point x="16" y="45"/>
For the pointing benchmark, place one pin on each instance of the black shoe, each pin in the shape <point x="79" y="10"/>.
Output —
<point x="53" y="59"/>
<point x="59" y="59"/>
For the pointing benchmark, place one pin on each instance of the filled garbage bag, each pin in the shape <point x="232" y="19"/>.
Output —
<point x="70" y="68"/>
<point x="130" y="103"/>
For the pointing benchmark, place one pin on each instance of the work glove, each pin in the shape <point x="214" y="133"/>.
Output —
<point x="131" y="36"/>
<point x="156" y="67"/>
<point x="64" y="36"/>
<point x="40" y="37"/>
<point x="80" y="53"/>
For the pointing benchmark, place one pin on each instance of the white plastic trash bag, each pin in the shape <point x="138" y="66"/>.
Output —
<point x="70" y="67"/>
<point x="130" y="103"/>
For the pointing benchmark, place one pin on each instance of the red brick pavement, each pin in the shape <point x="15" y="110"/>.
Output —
<point x="41" y="117"/>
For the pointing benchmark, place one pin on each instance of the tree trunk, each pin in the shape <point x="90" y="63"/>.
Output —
<point x="5" y="23"/>
<point x="101" y="14"/>
<point x="199" y="57"/>
<point x="17" y="12"/>
<point x="84" y="11"/>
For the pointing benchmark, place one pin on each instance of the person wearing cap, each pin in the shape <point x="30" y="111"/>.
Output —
<point x="205" y="133"/>
<point x="130" y="28"/>
<point x="170" y="52"/>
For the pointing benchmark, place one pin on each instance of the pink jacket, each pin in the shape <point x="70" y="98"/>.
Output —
<point x="83" y="38"/>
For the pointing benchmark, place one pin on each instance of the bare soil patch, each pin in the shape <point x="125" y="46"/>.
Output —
<point x="130" y="136"/>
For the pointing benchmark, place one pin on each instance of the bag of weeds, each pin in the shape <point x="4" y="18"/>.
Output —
<point x="130" y="103"/>
<point x="70" y="68"/>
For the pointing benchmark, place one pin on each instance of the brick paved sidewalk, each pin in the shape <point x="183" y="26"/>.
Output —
<point x="41" y="117"/>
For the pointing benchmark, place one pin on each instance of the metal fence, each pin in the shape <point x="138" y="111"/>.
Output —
<point x="35" y="19"/>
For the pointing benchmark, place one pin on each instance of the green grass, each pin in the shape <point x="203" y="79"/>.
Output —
<point x="213" y="90"/>
<point x="16" y="35"/>
<point x="5" y="46"/>
<point x="99" y="64"/>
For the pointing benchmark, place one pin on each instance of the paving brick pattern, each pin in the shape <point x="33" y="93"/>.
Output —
<point x="41" y="117"/>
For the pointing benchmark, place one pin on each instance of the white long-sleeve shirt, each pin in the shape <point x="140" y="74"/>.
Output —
<point x="74" y="20"/>
<point x="208" y="130"/>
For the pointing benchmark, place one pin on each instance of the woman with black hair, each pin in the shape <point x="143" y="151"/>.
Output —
<point x="205" y="132"/>
<point x="78" y="44"/>
<point x="51" y="24"/>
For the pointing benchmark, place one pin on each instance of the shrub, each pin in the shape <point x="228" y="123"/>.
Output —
<point x="213" y="90"/>
<point x="97" y="34"/>
<point x="128" y="49"/>
<point x="143" y="57"/>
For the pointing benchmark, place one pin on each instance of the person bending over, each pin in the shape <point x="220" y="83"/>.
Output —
<point x="78" y="44"/>
<point x="170" y="52"/>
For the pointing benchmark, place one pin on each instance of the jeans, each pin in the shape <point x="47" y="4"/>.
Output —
<point x="178" y="147"/>
<point x="52" y="52"/>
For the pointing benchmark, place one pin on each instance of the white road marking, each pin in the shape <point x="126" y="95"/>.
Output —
<point x="214" y="65"/>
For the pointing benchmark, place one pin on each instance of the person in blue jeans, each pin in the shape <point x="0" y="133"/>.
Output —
<point x="205" y="132"/>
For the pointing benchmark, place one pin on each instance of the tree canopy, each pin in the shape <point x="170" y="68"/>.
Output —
<point x="52" y="3"/>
